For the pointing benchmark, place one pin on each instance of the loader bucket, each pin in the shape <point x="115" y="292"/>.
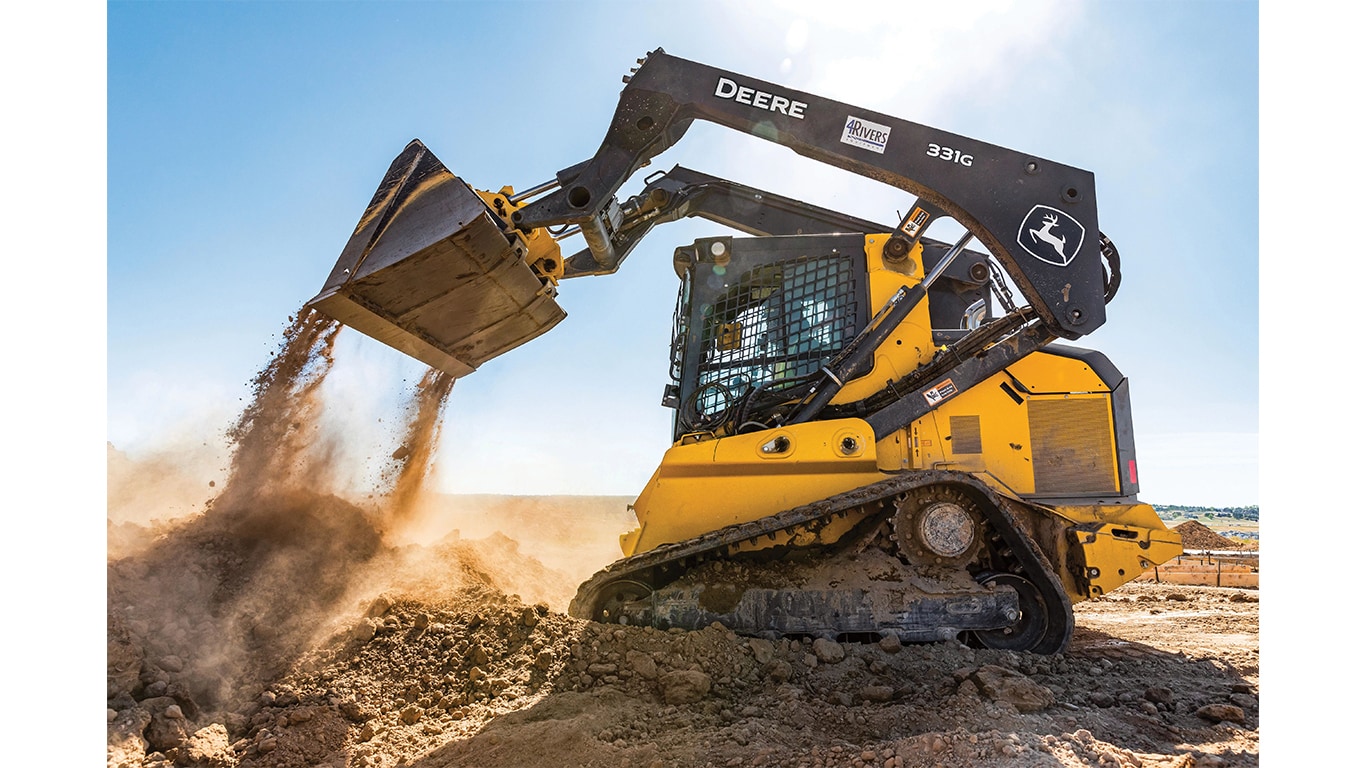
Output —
<point x="430" y="272"/>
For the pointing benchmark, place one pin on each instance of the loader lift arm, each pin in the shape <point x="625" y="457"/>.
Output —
<point x="1037" y="217"/>
<point x="683" y="192"/>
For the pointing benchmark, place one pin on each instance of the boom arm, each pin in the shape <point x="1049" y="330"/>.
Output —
<point x="1036" y="216"/>
<point x="683" y="192"/>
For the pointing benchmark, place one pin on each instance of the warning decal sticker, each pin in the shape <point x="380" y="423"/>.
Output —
<point x="915" y="222"/>
<point x="940" y="392"/>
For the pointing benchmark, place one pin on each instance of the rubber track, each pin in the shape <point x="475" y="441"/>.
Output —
<point x="713" y="544"/>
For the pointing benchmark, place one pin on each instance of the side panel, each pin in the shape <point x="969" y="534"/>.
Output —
<point x="709" y="485"/>
<point x="1045" y="428"/>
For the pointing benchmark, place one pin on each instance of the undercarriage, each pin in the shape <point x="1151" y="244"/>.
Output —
<point x="927" y="556"/>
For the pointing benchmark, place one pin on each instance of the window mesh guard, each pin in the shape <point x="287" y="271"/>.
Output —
<point x="782" y="320"/>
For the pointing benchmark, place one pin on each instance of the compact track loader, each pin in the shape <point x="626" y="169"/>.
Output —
<point x="863" y="444"/>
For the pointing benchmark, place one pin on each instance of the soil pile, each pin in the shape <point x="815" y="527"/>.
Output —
<point x="478" y="677"/>
<point x="1195" y="536"/>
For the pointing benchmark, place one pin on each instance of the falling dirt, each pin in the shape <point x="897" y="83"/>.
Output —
<point x="207" y="608"/>
<point x="286" y="625"/>
<point x="414" y="456"/>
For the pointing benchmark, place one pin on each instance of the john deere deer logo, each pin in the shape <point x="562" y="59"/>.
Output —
<point x="1051" y="235"/>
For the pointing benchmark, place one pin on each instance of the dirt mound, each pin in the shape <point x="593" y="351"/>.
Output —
<point x="481" y="678"/>
<point x="1195" y="536"/>
<point x="428" y="660"/>
<point x="222" y="606"/>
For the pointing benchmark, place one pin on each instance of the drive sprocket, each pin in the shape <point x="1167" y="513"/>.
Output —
<point x="939" y="525"/>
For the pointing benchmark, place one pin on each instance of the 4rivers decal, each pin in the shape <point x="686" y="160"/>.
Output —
<point x="866" y="134"/>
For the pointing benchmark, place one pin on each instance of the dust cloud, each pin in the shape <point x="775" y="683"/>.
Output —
<point x="209" y="606"/>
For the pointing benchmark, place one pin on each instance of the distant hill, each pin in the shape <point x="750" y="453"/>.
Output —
<point x="1171" y="511"/>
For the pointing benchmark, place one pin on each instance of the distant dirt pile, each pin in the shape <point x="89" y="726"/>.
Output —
<point x="1195" y="536"/>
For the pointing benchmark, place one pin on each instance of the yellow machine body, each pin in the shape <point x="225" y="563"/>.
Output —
<point x="1041" y="429"/>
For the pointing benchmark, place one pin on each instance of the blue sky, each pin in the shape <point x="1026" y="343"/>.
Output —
<point x="245" y="139"/>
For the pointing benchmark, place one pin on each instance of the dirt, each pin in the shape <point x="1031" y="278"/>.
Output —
<point x="284" y="625"/>
<point x="1197" y="536"/>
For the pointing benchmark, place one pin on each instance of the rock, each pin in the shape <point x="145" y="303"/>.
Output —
<point x="164" y="732"/>
<point x="364" y="631"/>
<point x="127" y="747"/>
<point x="1007" y="686"/>
<point x="1159" y="695"/>
<point x="379" y="606"/>
<point x="207" y="747"/>
<point x="477" y="655"/>
<point x="286" y="698"/>
<point x="828" y="651"/>
<point x="877" y="693"/>
<point x="1246" y="701"/>
<point x="779" y="671"/>
<point x="762" y="649"/>
<point x="410" y="714"/>
<point x="684" y="686"/>
<point x="174" y="712"/>
<point x="353" y="711"/>
<point x="171" y="663"/>
<point x="642" y="665"/>
<point x="530" y="617"/>
<point x="1216" y="713"/>
<point x="1101" y="699"/>
<point x="890" y="644"/>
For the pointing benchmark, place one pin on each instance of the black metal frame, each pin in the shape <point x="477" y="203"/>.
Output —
<point x="996" y="193"/>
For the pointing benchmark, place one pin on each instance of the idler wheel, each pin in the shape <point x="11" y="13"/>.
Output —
<point x="619" y="601"/>
<point x="1029" y="626"/>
